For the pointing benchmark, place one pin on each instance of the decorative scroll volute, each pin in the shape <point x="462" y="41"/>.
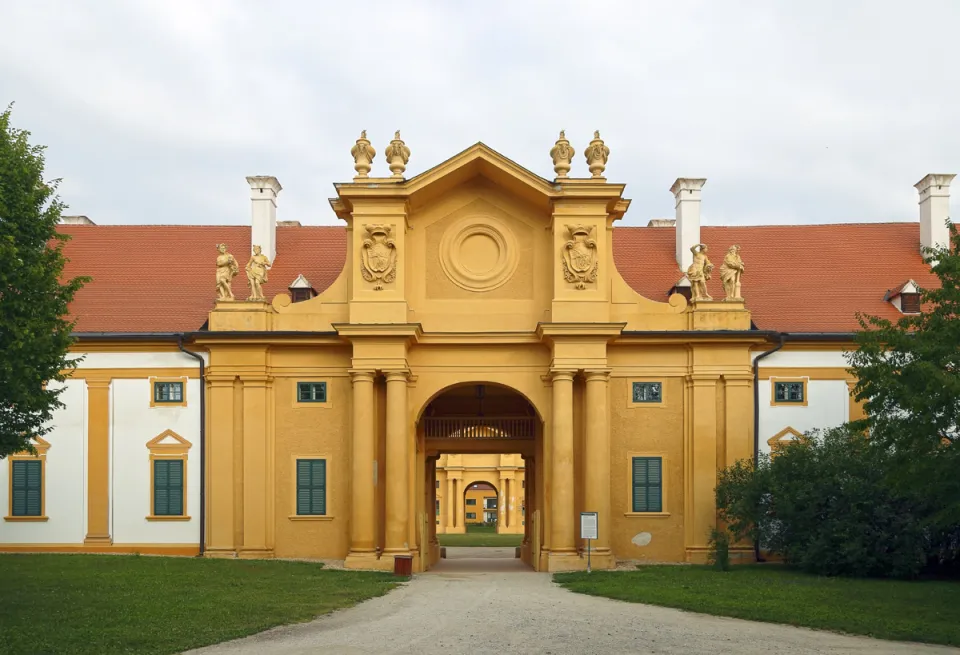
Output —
<point x="579" y="256"/>
<point x="378" y="256"/>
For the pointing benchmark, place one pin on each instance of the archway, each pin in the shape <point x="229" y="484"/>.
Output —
<point x="481" y="442"/>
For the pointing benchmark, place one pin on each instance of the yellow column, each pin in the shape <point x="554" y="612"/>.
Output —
<point x="738" y="414"/>
<point x="450" y="502"/>
<point x="398" y="465"/>
<point x="458" y="512"/>
<point x="434" y="516"/>
<point x="220" y="461"/>
<point x="255" y="492"/>
<point x="562" y="544"/>
<point x="703" y="461"/>
<point x="856" y="411"/>
<point x="98" y="462"/>
<point x="363" y="514"/>
<point x="597" y="465"/>
<point x="503" y="504"/>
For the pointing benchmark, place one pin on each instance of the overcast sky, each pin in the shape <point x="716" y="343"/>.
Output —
<point x="796" y="112"/>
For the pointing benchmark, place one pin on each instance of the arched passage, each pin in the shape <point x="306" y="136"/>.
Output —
<point x="483" y="437"/>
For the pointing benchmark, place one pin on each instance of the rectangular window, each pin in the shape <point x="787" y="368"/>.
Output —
<point x="312" y="392"/>
<point x="471" y="501"/>
<point x="311" y="487"/>
<point x="438" y="508"/>
<point x="647" y="392"/>
<point x="647" y="484"/>
<point x="168" y="392"/>
<point x="27" y="486"/>
<point x="910" y="303"/>
<point x="788" y="392"/>
<point x="490" y="503"/>
<point x="438" y="484"/>
<point x="168" y="487"/>
<point x="471" y="515"/>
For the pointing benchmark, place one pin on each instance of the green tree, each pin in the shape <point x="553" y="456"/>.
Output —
<point x="35" y="334"/>
<point x="908" y="375"/>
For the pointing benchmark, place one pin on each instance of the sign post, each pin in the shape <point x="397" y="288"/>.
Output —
<point x="588" y="531"/>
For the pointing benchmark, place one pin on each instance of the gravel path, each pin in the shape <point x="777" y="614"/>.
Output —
<point x="493" y="604"/>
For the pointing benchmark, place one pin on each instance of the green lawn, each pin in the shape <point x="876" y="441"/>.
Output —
<point x="887" y="609"/>
<point x="481" y="535"/>
<point x="128" y="604"/>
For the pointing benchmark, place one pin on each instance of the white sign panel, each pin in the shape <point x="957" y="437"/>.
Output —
<point x="588" y="525"/>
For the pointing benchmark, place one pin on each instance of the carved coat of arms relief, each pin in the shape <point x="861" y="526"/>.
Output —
<point x="579" y="256"/>
<point x="378" y="256"/>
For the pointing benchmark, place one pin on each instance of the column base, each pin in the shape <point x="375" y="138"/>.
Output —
<point x="697" y="554"/>
<point x="564" y="561"/>
<point x="366" y="560"/>
<point x="255" y="553"/>
<point x="98" y="539"/>
<point x="220" y="553"/>
<point x="600" y="559"/>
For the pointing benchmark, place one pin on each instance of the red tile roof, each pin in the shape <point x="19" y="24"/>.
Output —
<point x="161" y="278"/>
<point x="798" y="278"/>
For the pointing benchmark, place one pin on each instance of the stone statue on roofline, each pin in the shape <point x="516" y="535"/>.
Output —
<point x="699" y="272"/>
<point x="257" y="273"/>
<point x="730" y="272"/>
<point x="227" y="269"/>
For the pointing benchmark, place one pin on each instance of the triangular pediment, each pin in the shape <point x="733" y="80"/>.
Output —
<point x="785" y="436"/>
<point x="40" y="445"/>
<point x="168" y="441"/>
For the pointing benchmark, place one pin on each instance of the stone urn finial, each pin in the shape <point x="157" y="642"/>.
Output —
<point x="397" y="154"/>
<point x="562" y="154"/>
<point x="363" y="154"/>
<point x="597" y="154"/>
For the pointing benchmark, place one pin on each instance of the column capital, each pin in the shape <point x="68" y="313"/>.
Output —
<point x="557" y="374"/>
<point x="703" y="379"/>
<point x="221" y="380"/>
<point x="98" y="383"/>
<point x="361" y="375"/>
<point x="597" y="374"/>
<point x="397" y="375"/>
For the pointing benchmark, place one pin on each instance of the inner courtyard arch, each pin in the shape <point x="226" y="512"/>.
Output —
<point x="475" y="435"/>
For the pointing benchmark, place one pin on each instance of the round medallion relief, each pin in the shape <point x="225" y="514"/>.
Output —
<point x="479" y="253"/>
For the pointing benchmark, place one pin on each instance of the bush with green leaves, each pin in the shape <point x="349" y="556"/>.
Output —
<point x="827" y="506"/>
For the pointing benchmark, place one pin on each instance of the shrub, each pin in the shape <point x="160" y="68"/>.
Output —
<point x="825" y="504"/>
<point x="719" y="544"/>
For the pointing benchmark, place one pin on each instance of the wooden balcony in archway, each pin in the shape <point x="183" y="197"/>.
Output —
<point x="480" y="427"/>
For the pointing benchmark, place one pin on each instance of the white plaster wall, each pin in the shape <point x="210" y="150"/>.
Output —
<point x="133" y="424"/>
<point x="803" y="358"/>
<point x="65" y="484"/>
<point x="828" y="405"/>
<point x="141" y="360"/>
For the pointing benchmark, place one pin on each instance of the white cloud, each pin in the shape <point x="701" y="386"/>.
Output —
<point x="795" y="112"/>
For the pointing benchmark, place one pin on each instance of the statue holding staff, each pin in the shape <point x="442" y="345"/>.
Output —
<point x="730" y="272"/>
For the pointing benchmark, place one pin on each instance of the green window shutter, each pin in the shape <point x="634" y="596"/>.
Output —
<point x="647" y="484"/>
<point x="168" y="487"/>
<point x="311" y="487"/>
<point x="27" y="486"/>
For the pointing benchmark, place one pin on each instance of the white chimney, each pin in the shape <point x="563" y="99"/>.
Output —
<point x="263" y="197"/>
<point x="934" y="209"/>
<point x="687" y="192"/>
